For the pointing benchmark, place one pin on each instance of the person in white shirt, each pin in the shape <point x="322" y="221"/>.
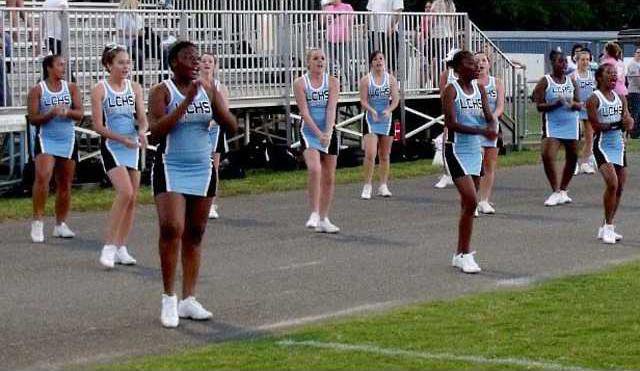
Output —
<point x="383" y="29"/>
<point x="633" y="78"/>
<point x="53" y="24"/>
<point x="130" y="29"/>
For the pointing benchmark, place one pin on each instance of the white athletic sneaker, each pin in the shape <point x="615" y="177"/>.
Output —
<point x="190" y="308"/>
<point x="314" y="218"/>
<point x="564" y="198"/>
<point x="586" y="168"/>
<point x="366" y="192"/>
<point x="169" y="314"/>
<point x="63" y="231"/>
<point x="455" y="261"/>
<point x="384" y="191"/>
<point x="608" y="236"/>
<point x="122" y="257"/>
<point x="444" y="181"/>
<point x="37" y="231"/>
<point x="601" y="231"/>
<point x="325" y="226"/>
<point x="553" y="200"/>
<point x="485" y="208"/>
<point x="108" y="256"/>
<point x="213" y="212"/>
<point x="468" y="263"/>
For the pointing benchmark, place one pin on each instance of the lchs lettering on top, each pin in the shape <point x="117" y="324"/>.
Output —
<point x="199" y="107"/>
<point x="380" y="92"/>
<point x="610" y="110"/>
<point x="319" y="95"/>
<point x="57" y="100"/>
<point x="119" y="101"/>
<point x="471" y="103"/>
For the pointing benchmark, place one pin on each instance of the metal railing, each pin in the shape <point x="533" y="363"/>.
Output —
<point x="260" y="51"/>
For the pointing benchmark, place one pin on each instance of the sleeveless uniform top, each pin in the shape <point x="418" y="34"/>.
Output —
<point x="586" y="87"/>
<point x="379" y="95"/>
<point x="468" y="112"/>
<point x="59" y="128"/>
<point x="609" y="146"/>
<point x="451" y="76"/>
<point x="188" y="141"/>
<point x="317" y="100"/>
<point x="561" y="123"/>
<point x="119" y="109"/>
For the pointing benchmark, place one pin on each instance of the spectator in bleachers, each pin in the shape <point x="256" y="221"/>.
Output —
<point x="424" y="43"/>
<point x="130" y="34"/>
<point x="5" y="52"/>
<point x="613" y="56"/>
<point x="383" y="29"/>
<point x="442" y="31"/>
<point x="339" y="27"/>
<point x="53" y="29"/>
<point x="633" y="77"/>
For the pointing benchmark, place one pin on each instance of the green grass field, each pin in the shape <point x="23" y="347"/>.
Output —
<point x="576" y="323"/>
<point x="256" y="182"/>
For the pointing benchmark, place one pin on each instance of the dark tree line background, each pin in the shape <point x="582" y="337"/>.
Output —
<point x="532" y="15"/>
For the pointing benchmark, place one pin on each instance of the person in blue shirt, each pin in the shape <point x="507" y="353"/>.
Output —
<point x="585" y="82"/>
<point x="54" y="106"/>
<point x="378" y="97"/>
<point x="117" y="107"/>
<point x="468" y="120"/>
<point x="317" y="94"/>
<point x="183" y="178"/>
<point x="556" y="97"/>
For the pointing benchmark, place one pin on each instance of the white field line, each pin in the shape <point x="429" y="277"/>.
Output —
<point x="430" y="356"/>
<point x="323" y="316"/>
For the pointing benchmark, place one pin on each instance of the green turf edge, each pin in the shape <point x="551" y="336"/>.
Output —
<point x="586" y="320"/>
<point x="256" y="182"/>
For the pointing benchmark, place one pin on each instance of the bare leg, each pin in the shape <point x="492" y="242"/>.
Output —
<point x="384" y="156"/>
<point x="489" y="164"/>
<point x="621" y="172"/>
<point x="550" y="148"/>
<point x="64" y="172"/>
<point x="314" y="170"/>
<point x="571" y="154"/>
<point x="328" y="182"/>
<point x="468" y="202"/>
<point x="195" y="226"/>
<point x="611" y="189"/>
<point x="127" y="221"/>
<point x="171" y="209"/>
<point x="44" y="165"/>
<point x="587" y="150"/>
<point x="370" y="148"/>
<point x="124" y="196"/>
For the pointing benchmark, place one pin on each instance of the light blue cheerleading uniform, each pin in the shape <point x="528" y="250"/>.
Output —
<point x="183" y="161"/>
<point x="463" y="152"/>
<point x="451" y="76"/>
<point x="119" y="110"/>
<point x="57" y="136"/>
<point x="492" y="98"/>
<point x="317" y="102"/>
<point x="608" y="146"/>
<point x="217" y="136"/>
<point x="562" y="122"/>
<point x="586" y="86"/>
<point x="379" y="97"/>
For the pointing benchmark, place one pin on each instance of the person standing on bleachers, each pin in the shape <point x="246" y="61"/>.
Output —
<point x="130" y="28"/>
<point x="339" y="28"/>
<point x="53" y="29"/>
<point x="383" y="29"/>
<point x="633" y="77"/>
